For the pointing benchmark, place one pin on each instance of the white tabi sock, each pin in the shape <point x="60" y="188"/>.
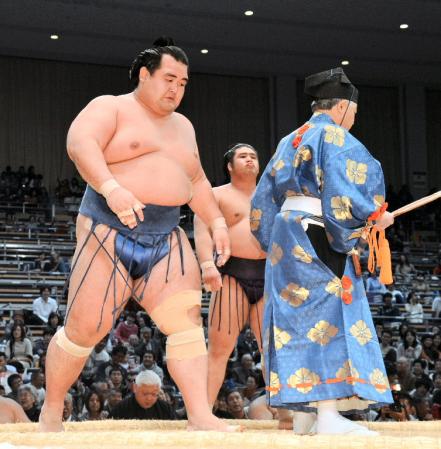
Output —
<point x="329" y="421"/>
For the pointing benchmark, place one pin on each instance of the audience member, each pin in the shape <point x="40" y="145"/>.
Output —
<point x="414" y="310"/>
<point x="14" y="383"/>
<point x="19" y="348"/>
<point x="388" y="351"/>
<point x="246" y="368"/>
<point x="429" y="353"/>
<point x="149" y="363"/>
<point x="94" y="404"/>
<point x="114" y="398"/>
<point x="43" y="306"/>
<point x="38" y="382"/>
<point x="409" y="346"/>
<point x="41" y="345"/>
<point x="117" y="381"/>
<point x="397" y="295"/>
<point x="235" y="405"/>
<point x="144" y="402"/>
<point x="126" y="328"/>
<point x="404" y="374"/>
<point x="419" y="368"/>
<point x="118" y="356"/>
<point x="388" y="309"/>
<point x="28" y="399"/>
<point x="148" y="344"/>
<point x="68" y="412"/>
<point x="403" y="267"/>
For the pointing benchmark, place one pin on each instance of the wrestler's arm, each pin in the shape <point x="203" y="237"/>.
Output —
<point x="17" y="411"/>
<point x="204" y="205"/>
<point x="88" y="136"/>
<point x="204" y="249"/>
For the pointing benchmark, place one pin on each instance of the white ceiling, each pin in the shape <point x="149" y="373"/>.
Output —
<point x="295" y="37"/>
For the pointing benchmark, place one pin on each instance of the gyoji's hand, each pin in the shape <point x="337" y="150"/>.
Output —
<point x="385" y="220"/>
<point x="126" y="206"/>
<point x="221" y="242"/>
<point x="211" y="279"/>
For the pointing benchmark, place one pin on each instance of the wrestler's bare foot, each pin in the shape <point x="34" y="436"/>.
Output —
<point x="50" y="421"/>
<point x="210" y="422"/>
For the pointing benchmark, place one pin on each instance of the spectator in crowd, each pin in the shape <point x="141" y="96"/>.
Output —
<point x="41" y="345"/>
<point x="5" y="371"/>
<point x="126" y="328"/>
<point x="149" y="363"/>
<point x="414" y="310"/>
<point x="418" y="368"/>
<point x="14" y="383"/>
<point x="54" y="321"/>
<point x="422" y="389"/>
<point x="388" y="351"/>
<point x="18" y="317"/>
<point x="68" y="411"/>
<point x="144" y="402"/>
<point x="132" y="344"/>
<point x="374" y="285"/>
<point x="94" y="404"/>
<point x="117" y="381"/>
<point x="38" y="381"/>
<point x="118" y="356"/>
<point x="420" y="285"/>
<point x="235" y="405"/>
<point x="246" y="368"/>
<point x="397" y="295"/>
<point x="58" y="264"/>
<point x="388" y="309"/>
<point x="429" y="353"/>
<point x="436" y="306"/>
<point x="409" y="346"/>
<point x="436" y="381"/>
<point x="28" y="399"/>
<point x="404" y="375"/>
<point x="436" y="405"/>
<point x="437" y="369"/>
<point x="247" y="344"/>
<point x="42" y="263"/>
<point x="43" y="306"/>
<point x="148" y="344"/>
<point x="251" y="391"/>
<point x="403" y="267"/>
<point x="409" y="405"/>
<point x="423" y="409"/>
<point x="11" y="412"/>
<point x="18" y="347"/>
<point x="114" y="398"/>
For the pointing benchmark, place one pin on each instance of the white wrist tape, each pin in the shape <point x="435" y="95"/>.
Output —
<point x="207" y="264"/>
<point x="218" y="223"/>
<point x="108" y="187"/>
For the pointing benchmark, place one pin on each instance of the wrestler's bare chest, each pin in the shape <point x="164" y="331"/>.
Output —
<point x="234" y="204"/>
<point x="154" y="159"/>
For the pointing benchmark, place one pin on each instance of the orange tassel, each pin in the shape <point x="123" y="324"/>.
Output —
<point x="379" y="255"/>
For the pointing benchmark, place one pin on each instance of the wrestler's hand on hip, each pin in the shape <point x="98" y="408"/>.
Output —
<point x="126" y="206"/>
<point x="221" y="242"/>
<point x="386" y="220"/>
<point x="211" y="279"/>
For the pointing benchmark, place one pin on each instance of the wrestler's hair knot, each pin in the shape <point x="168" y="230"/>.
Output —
<point x="150" y="58"/>
<point x="164" y="41"/>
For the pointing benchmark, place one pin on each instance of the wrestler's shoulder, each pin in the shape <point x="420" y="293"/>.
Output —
<point x="183" y="120"/>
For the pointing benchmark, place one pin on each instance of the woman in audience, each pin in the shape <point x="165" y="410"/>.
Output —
<point x="403" y="267"/>
<point x="409" y="346"/>
<point x="414" y="310"/>
<point x="54" y="321"/>
<point x="437" y="341"/>
<point x="28" y="399"/>
<point x="429" y="353"/>
<point x="94" y="404"/>
<point x="18" y="347"/>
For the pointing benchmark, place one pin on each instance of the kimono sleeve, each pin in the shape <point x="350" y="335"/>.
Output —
<point x="353" y="190"/>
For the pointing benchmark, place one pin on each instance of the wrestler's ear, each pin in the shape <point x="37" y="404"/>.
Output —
<point x="230" y="167"/>
<point x="143" y="74"/>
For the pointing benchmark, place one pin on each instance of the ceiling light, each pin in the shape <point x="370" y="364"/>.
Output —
<point x="345" y="63"/>
<point x="204" y="51"/>
<point x="54" y="37"/>
<point x="249" y="13"/>
<point x="404" y="26"/>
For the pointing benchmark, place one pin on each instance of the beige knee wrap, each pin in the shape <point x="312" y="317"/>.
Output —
<point x="186" y="338"/>
<point x="70" y="347"/>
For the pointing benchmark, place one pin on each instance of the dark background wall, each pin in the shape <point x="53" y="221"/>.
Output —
<point x="40" y="98"/>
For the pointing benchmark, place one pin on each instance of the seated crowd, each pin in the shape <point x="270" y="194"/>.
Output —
<point x="126" y="375"/>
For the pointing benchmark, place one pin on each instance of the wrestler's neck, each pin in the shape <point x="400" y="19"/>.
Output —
<point x="246" y="184"/>
<point x="153" y="112"/>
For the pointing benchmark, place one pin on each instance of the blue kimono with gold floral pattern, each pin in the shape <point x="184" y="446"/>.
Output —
<point x="318" y="335"/>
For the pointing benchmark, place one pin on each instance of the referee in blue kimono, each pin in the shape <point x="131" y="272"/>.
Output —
<point x="318" y="194"/>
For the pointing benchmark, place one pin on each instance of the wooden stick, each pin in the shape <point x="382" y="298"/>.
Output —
<point x="416" y="204"/>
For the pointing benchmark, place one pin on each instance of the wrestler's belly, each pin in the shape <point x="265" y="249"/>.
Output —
<point x="154" y="179"/>
<point x="243" y="244"/>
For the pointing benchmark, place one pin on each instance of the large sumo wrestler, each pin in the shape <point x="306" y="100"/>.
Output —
<point x="141" y="162"/>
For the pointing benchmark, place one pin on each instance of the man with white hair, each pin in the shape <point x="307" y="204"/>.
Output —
<point x="144" y="402"/>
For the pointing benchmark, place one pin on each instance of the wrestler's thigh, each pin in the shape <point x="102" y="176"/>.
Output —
<point x="94" y="292"/>
<point x="256" y="316"/>
<point x="229" y="308"/>
<point x="157" y="289"/>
